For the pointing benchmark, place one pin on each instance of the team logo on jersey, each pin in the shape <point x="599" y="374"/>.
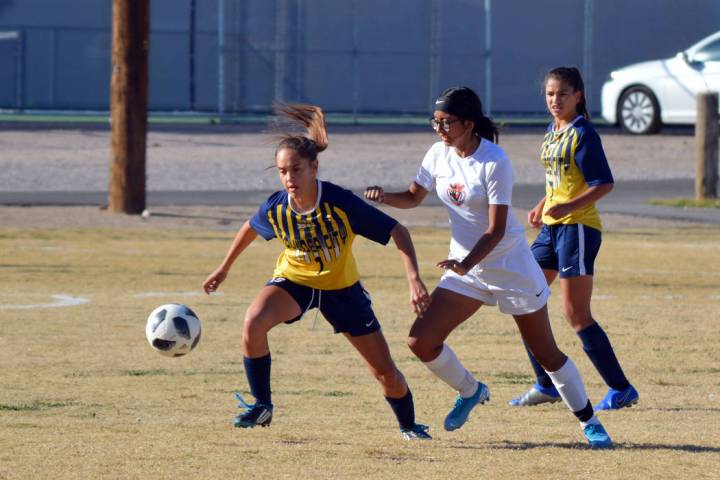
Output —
<point x="456" y="193"/>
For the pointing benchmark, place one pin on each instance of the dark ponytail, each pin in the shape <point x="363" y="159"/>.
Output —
<point x="312" y="118"/>
<point x="464" y="103"/>
<point x="572" y="77"/>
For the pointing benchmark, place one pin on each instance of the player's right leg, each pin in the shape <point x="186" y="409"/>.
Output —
<point x="447" y="310"/>
<point x="272" y="305"/>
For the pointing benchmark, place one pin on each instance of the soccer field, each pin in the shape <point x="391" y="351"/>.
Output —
<point x="82" y="395"/>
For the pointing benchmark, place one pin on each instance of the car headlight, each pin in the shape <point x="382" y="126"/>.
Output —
<point x="614" y="74"/>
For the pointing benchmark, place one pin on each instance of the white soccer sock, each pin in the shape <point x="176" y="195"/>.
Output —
<point x="448" y="368"/>
<point x="569" y="384"/>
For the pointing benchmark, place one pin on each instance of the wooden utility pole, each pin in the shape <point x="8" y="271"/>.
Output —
<point x="707" y="131"/>
<point x="128" y="103"/>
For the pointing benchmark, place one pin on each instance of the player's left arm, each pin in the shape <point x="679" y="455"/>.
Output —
<point x="497" y="221"/>
<point x="419" y="296"/>
<point x="590" y="159"/>
<point x="591" y="195"/>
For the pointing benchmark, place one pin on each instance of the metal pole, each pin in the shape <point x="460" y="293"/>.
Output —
<point x="587" y="48"/>
<point x="281" y="46"/>
<point x="20" y="75"/>
<point x="221" y="56"/>
<point x="191" y="56"/>
<point x="355" y="79"/>
<point x="488" y="57"/>
<point x="435" y="35"/>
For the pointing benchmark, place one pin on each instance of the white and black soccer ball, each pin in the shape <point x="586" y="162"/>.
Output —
<point x="173" y="330"/>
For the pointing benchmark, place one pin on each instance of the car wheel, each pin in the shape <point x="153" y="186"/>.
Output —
<point x="639" y="112"/>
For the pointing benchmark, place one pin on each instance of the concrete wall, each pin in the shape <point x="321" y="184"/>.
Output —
<point x="363" y="56"/>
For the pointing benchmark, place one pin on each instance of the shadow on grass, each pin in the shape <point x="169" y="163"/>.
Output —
<point x="507" y="445"/>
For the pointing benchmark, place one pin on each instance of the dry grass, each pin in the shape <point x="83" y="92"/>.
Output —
<point x="83" y="396"/>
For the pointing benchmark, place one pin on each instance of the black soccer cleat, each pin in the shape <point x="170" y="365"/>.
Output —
<point x="254" y="415"/>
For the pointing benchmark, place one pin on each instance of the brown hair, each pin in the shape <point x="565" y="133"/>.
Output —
<point x="312" y="118"/>
<point x="572" y="77"/>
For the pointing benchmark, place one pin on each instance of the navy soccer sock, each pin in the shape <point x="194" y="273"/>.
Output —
<point x="258" y="375"/>
<point x="541" y="375"/>
<point x="404" y="410"/>
<point x="597" y="347"/>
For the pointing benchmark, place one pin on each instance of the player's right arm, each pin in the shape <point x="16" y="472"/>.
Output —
<point x="535" y="215"/>
<point x="244" y="237"/>
<point x="410" y="198"/>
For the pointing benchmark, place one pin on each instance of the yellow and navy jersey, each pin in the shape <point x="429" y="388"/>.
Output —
<point x="318" y="244"/>
<point x="574" y="160"/>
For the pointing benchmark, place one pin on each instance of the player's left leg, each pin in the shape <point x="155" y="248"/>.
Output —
<point x="374" y="350"/>
<point x="537" y="335"/>
<point x="577" y="293"/>
<point x="349" y="311"/>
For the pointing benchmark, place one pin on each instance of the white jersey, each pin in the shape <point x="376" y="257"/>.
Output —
<point x="467" y="186"/>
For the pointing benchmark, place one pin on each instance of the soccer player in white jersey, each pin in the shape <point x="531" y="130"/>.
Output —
<point x="489" y="263"/>
<point x="577" y="175"/>
<point x="317" y="222"/>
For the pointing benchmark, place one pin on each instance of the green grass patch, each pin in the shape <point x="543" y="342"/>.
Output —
<point x="686" y="202"/>
<point x="33" y="406"/>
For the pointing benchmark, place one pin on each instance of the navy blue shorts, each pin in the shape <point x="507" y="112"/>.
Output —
<point x="348" y="310"/>
<point x="568" y="249"/>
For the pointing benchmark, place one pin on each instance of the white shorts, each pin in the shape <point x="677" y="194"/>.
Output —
<point x="514" y="282"/>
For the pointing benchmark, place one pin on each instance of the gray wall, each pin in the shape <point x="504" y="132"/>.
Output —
<point x="362" y="56"/>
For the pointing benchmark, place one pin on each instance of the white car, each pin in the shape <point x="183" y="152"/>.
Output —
<point x="643" y="97"/>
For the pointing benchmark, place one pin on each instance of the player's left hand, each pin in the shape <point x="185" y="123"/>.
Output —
<point x="453" y="265"/>
<point x="419" y="297"/>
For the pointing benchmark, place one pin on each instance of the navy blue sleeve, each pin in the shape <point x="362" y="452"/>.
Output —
<point x="260" y="222"/>
<point x="590" y="159"/>
<point x="365" y="219"/>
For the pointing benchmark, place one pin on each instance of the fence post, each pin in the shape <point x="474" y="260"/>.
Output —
<point x="707" y="131"/>
<point x="128" y="104"/>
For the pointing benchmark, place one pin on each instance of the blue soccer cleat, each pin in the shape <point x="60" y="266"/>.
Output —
<point x="417" y="432"/>
<point x="596" y="436"/>
<point x="254" y="415"/>
<point x="459" y="414"/>
<point x="536" y="396"/>
<point x="617" y="399"/>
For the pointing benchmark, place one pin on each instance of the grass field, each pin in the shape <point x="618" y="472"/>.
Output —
<point x="82" y="395"/>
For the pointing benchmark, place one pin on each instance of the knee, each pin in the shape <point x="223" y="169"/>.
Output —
<point x="423" y="349"/>
<point x="253" y="326"/>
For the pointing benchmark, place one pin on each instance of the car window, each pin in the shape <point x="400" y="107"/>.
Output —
<point x="709" y="53"/>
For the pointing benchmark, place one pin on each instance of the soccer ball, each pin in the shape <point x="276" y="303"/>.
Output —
<point x="173" y="330"/>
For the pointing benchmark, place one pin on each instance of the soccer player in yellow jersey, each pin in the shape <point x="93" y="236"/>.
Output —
<point x="317" y="222"/>
<point x="577" y="175"/>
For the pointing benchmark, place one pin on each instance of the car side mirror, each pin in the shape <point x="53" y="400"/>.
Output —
<point x="685" y="57"/>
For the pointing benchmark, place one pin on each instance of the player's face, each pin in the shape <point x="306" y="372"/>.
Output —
<point x="297" y="174"/>
<point x="453" y="131"/>
<point x="561" y="99"/>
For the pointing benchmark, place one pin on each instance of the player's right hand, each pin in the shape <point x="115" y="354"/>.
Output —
<point x="213" y="281"/>
<point x="375" y="193"/>
<point x="535" y="217"/>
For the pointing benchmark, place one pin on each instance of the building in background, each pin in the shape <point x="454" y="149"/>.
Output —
<point x="351" y="56"/>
